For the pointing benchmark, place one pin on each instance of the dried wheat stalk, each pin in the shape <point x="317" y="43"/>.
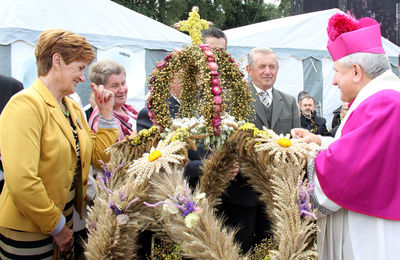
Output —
<point x="207" y="239"/>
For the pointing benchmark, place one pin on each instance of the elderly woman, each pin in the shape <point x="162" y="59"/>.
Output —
<point x="47" y="148"/>
<point x="112" y="76"/>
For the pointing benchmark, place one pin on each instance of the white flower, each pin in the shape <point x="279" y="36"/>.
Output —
<point x="169" y="209"/>
<point x="191" y="219"/>
<point x="170" y="157"/>
<point x="122" y="219"/>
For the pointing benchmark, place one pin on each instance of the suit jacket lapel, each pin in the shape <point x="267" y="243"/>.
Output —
<point x="173" y="106"/>
<point x="259" y="107"/>
<point x="277" y="106"/>
<point x="55" y="111"/>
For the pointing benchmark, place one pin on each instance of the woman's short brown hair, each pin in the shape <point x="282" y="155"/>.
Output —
<point x="71" y="47"/>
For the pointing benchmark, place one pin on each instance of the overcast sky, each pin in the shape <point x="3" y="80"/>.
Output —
<point x="276" y="2"/>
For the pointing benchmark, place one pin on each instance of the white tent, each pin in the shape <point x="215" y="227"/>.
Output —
<point x="305" y="63"/>
<point x="115" y="32"/>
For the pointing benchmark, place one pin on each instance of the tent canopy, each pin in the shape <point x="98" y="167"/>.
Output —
<point x="115" y="32"/>
<point x="104" y="23"/>
<point x="300" y="36"/>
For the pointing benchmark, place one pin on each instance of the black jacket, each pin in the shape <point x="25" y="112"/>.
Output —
<point x="315" y="124"/>
<point x="8" y="87"/>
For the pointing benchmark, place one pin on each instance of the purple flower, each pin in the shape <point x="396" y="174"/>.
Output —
<point x="305" y="207"/>
<point x="189" y="208"/>
<point x="115" y="208"/>
<point x="183" y="202"/>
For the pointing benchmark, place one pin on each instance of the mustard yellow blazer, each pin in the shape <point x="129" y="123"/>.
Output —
<point x="39" y="157"/>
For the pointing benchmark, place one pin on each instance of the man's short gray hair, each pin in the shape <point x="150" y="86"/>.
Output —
<point x="101" y="70"/>
<point x="252" y="55"/>
<point x="373" y="64"/>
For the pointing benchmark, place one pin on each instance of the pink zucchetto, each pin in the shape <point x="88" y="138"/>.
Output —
<point x="346" y="35"/>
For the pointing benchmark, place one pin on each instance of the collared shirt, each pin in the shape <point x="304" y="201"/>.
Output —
<point x="261" y="93"/>
<point x="269" y="91"/>
<point x="177" y="99"/>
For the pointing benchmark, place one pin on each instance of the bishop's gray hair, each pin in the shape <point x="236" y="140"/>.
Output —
<point x="372" y="64"/>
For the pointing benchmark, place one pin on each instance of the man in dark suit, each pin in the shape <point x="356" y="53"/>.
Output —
<point x="277" y="111"/>
<point x="309" y="120"/>
<point x="274" y="109"/>
<point x="8" y="87"/>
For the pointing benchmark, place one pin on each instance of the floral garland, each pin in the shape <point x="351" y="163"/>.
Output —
<point x="209" y="79"/>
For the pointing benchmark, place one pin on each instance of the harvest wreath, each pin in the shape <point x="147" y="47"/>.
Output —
<point x="143" y="185"/>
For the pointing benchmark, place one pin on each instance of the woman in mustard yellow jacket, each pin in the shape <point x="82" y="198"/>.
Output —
<point x="47" y="148"/>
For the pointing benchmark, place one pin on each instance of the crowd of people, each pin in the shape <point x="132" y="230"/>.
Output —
<point x="49" y="146"/>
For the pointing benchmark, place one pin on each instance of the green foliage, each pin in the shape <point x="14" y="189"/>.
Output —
<point x="225" y="14"/>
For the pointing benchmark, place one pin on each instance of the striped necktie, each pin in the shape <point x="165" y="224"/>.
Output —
<point x="265" y="98"/>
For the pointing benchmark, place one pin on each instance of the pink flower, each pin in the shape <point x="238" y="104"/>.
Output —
<point x="168" y="57"/>
<point x="217" y="108"/>
<point x="150" y="114"/>
<point x="215" y="81"/>
<point x="161" y="65"/>
<point x="204" y="46"/>
<point x="217" y="131"/>
<point x="209" y="53"/>
<point x="210" y="59"/>
<point x="152" y="79"/>
<point x="198" y="210"/>
<point x="213" y="66"/>
<point x="216" y="122"/>
<point x="217" y="100"/>
<point x="214" y="73"/>
<point x="148" y="106"/>
<point x="216" y="90"/>
<point x="177" y="51"/>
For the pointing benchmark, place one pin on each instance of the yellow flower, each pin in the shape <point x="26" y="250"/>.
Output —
<point x="154" y="155"/>
<point x="254" y="129"/>
<point x="247" y="127"/>
<point x="179" y="135"/>
<point x="284" y="142"/>
<point x="143" y="136"/>
<point x="191" y="219"/>
<point x="194" y="25"/>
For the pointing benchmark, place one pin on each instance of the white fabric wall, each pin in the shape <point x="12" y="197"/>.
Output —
<point x="23" y="62"/>
<point x="290" y="76"/>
